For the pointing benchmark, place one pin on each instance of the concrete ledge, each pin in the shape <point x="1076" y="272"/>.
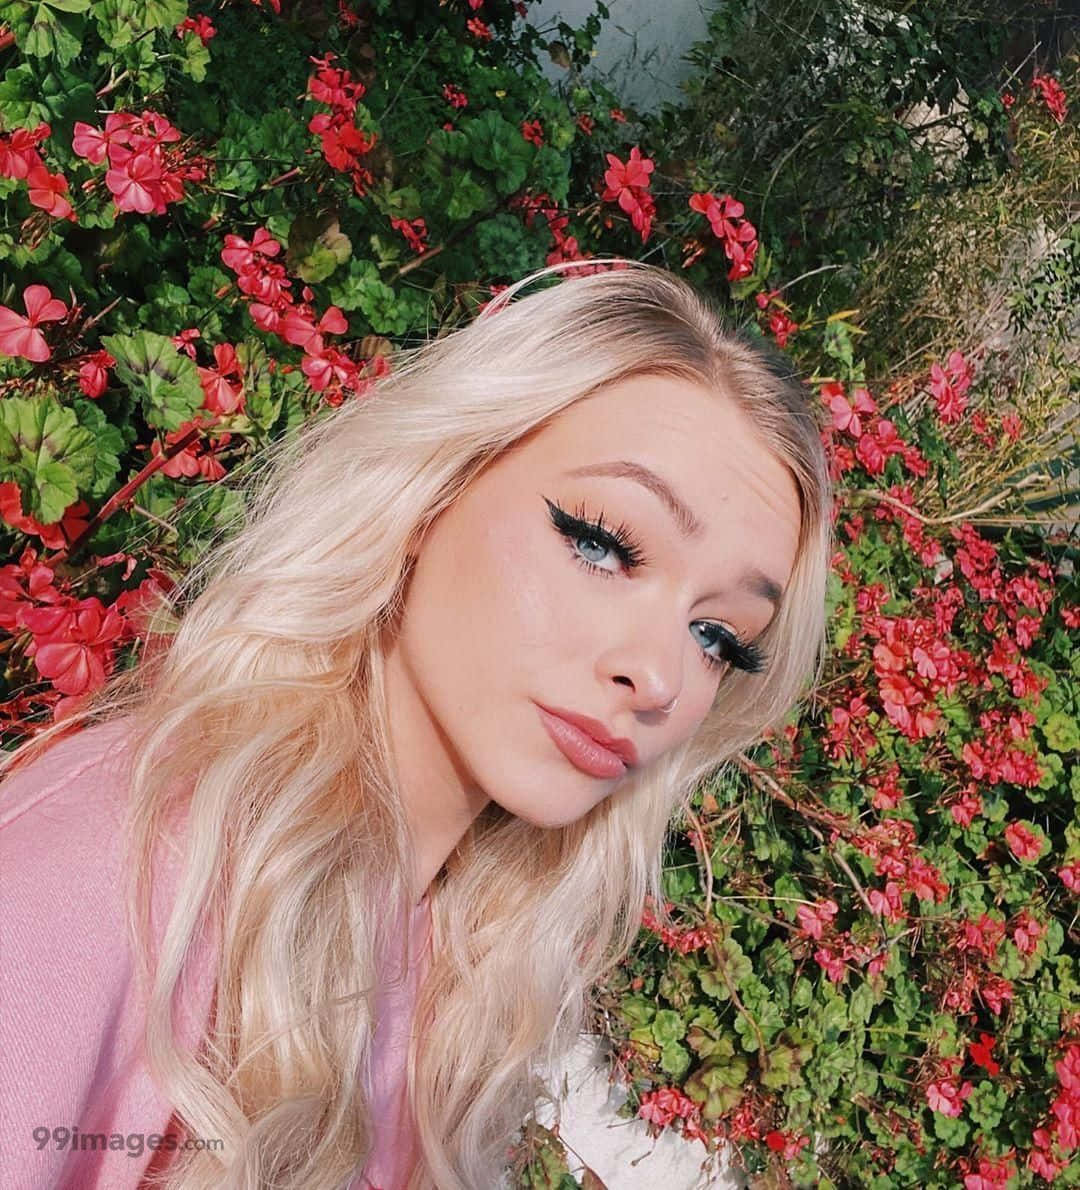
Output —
<point x="621" y="1152"/>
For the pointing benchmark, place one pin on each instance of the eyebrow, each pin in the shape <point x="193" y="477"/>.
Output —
<point x="752" y="580"/>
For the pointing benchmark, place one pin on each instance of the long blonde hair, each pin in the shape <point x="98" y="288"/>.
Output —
<point x="264" y="719"/>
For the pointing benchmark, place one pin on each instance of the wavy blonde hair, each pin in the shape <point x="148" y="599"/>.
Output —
<point x="264" y="719"/>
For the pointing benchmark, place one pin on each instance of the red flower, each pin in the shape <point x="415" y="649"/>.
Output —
<point x="414" y="231"/>
<point x="629" y="175"/>
<point x="18" y="150"/>
<point x="184" y="341"/>
<point x="980" y="1053"/>
<point x="533" y="131"/>
<point x="1053" y="95"/>
<point x="627" y="183"/>
<point x="223" y="391"/>
<point x="73" y="645"/>
<point x="738" y="235"/>
<point x="19" y="335"/>
<point x="93" y="376"/>
<point x="202" y="27"/>
<point x="478" y="29"/>
<point x="454" y="95"/>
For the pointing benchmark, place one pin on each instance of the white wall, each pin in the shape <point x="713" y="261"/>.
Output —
<point x="639" y="47"/>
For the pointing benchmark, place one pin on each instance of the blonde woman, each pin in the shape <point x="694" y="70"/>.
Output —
<point x="322" y="887"/>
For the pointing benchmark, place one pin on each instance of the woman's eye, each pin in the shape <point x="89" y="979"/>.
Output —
<point x="597" y="547"/>
<point x="584" y="537"/>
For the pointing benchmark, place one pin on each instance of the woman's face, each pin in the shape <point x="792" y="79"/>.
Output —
<point x="503" y="615"/>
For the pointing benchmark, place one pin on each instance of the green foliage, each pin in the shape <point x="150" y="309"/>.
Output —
<point x="834" y="121"/>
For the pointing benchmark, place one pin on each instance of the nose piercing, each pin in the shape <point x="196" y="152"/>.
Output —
<point x="670" y="707"/>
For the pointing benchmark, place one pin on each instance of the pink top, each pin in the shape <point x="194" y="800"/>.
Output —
<point x="70" y="1022"/>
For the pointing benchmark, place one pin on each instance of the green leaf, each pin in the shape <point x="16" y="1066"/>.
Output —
<point x="466" y="197"/>
<point x="195" y="58"/>
<point x="122" y="21"/>
<point x="668" y="1026"/>
<point x="316" y="247"/>
<point x="862" y="1003"/>
<point x="55" y="35"/>
<point x="952" y="1130"/>
<point x="986" y="1105"/>
<point x="47" y="453"/>
<point x="157" y="375"/>
<point x="108" y="445"/>
<point x="637" y="1010"/>
<point x="675" y="1060"/>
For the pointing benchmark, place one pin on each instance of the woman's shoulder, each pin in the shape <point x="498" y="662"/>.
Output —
<point x="64" y="818"/>
<point x="77" y="783"/>
<point x="71" y="1013"/>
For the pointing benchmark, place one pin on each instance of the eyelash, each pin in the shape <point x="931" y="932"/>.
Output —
<point x="622" y="543"/>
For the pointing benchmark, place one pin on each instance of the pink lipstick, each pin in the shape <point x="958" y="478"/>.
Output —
<point x="583" y="752"/>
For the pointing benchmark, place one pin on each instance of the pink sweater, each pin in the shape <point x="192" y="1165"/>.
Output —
<point x="70" y="1022"/>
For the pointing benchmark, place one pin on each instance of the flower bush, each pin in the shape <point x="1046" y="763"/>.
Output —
<point x="219" y="220"/>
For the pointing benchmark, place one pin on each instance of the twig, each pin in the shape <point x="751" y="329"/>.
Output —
<point x="156" y="519"/>
<point x="871" y="494"/>
<point x="704" y="858"/>
<point x="843" y="865"/>
<point x="762" y="779"/>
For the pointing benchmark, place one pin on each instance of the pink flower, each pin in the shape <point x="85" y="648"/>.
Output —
<point x="1026" y="933"/>
<point x="19" y="335"/>
<point x="995" y="991"/>
<point x="965" y="808"/>
<point x="241" y="257"/>
<point x="1023" y="842"/>
<point x="46" y="191"/>
<point x="133" y="186"/>
<point x="184" y="341"/>
<point x="945" y="1097"/>
<point x="1070" y="875"/>
<point x="454" y="95"/>
<point x="845" y="415"/>
<point x="833" y="965"/>
<point x="815" y="918"/>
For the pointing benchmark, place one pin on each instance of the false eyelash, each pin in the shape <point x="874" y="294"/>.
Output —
<point x="744" y="655"/>
<point x="620" y="540"/>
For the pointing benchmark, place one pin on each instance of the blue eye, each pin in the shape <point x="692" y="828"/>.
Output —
<point x="621" y="542"/>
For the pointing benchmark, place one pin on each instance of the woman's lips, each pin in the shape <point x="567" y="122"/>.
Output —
<point x="581" y="750"/>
